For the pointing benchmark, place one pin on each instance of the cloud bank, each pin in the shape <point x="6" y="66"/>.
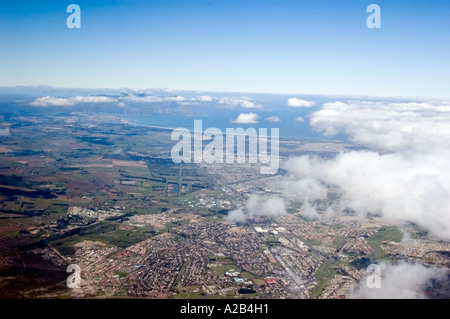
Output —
<point x="129" y="97"/>
<point x="402" y="281"/>
<point x="406" y="177"/>
<point x="387" y="126"/>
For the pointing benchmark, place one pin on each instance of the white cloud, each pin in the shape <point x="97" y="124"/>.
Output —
<point x="158" y="99"/>
<point x="94" y="99"/>
<point x="244" y="102"/>
<point x="273" y="119"/>
<point x="237" y="215"/>
<point x="406" y="177"/>
<point x="387" y="126"/>
<point x="247" y="118"/>
<point x="175" y="98"/>
<point x="248" y="105"/>
<point x="399" y="187"/>
<point x="299" y="119"/>
<point x="402" y="281"/>
<point x="69" y="101"/>
<point x="233" y="100"/>
<point x="142" y="99"/>
<point x="52" y="101"/>
<point x="197" y="100"/>
<point x="294" y="102"/>
<point x="188" y="103"/>
<point x="258" y="206"/>
<point x="205" y="98"/>
<point x="181" y="100"/>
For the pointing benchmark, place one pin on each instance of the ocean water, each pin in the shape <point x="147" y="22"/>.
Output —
<point x="288" y="126"/>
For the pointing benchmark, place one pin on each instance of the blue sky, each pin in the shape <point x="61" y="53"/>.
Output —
<point x="309" y="47"/>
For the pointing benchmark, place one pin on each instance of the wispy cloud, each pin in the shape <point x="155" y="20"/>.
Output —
<point x="152" y="98"/>
<point x="69" y="101"/>
<point x="244" y="102"/>
<point x="175" y="98"/>
<point x="4" y="130"/>
<point x="258" y="206"/>
<point x="142" y="99"/>
<point x="188" y="103"/>
<point x="159" y="99"/>
<point x="273" y="119"/>
<point x="299" y="119"/>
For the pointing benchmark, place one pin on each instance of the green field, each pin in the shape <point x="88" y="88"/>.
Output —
<point x="386" y="234"/>
<point x="105" y="232"/>
<point x="323" y="276"/>
<point x="219" y="271"/>
<point x="338" y="241"/>
<point x="121" y="274"/>
<point x="247" y="275"/>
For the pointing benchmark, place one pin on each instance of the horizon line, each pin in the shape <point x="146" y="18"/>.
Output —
<point x="347" y="95"/>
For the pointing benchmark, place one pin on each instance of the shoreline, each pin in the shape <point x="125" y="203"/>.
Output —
<point x="165" y="128"/>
